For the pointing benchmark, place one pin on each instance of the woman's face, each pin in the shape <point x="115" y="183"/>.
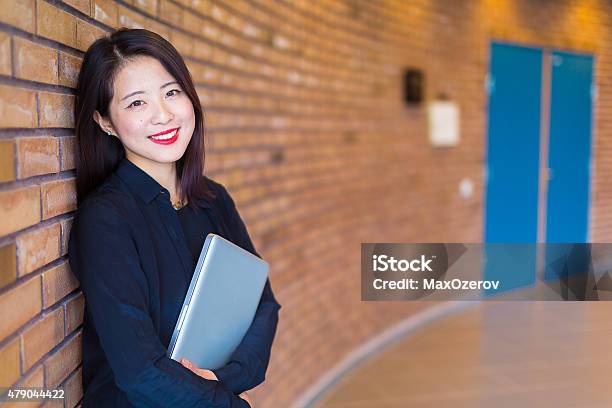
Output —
<point x="150" y="113"/>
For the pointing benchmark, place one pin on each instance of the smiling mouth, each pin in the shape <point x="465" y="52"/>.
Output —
<point x="166" y="138"/>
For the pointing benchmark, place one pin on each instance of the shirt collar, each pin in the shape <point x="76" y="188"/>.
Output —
<point x="139" y="181"/>
<point x="145" y="186"/>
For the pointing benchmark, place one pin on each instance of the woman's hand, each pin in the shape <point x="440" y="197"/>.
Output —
<point x="209" y="375"/>
<point x="202" y="372"/>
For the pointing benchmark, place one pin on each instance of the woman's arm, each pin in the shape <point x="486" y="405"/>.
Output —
<point x="104" y="258"/>
<point x="249" y="362"/>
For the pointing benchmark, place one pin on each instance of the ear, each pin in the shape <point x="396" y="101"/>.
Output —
<point x="104" y="123"/>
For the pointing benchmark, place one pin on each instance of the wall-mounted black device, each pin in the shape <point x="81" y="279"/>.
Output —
<point x="414" y="86"/>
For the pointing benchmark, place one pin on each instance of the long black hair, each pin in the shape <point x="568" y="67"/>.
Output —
<point x="97" y="154"/>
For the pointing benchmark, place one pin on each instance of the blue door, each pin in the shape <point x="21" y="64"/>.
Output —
<point x="513" y="161"/>
<point x="569" y="163"/>
<point x="569" y="157"/>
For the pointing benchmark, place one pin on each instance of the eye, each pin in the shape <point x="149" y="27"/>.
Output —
<point x="172" y="94"/>
<point x="135" y="103"/>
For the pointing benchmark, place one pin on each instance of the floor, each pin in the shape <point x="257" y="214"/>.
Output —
<point x="496" y="354"/>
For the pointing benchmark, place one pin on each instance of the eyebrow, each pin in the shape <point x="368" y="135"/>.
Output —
<point x="141" y="92"/>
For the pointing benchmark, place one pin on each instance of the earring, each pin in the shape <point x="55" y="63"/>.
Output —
<point x="108" y="132"/>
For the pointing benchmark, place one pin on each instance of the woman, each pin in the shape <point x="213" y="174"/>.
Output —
<point x="145" y="209"/>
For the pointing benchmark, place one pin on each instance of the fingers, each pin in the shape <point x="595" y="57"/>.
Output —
<point x="187" y="363"/>
<point x="202" y="372"/>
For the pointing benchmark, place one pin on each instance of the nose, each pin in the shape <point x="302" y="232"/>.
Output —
<point x="162" y="114"/>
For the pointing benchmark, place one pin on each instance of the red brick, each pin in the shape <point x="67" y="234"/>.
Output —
<point x="67" y="148"/>
<point x="7" y="160"/>
<point x="202" y="51"/>
<point x="56" y="110"/>
<point x="5" y="54"/>
<point x="24" y="301"/>
<point x="8" y="264"/>
<point x="58" y="197"/>
<point x="35" y="379"/>
<point x="170" y="13"/>
<point x="69" y="67"/>
<point x="159" y="28"/>
<point x="57" y="282"/>
<point x="83" y="6"/>
<point x="21" y="14"/>
<point x="128" y="18"/>
<point x="63" y="361"/>
<point x="9" y="361"/>
<point x="211" y="32"/>
<point x="192" y="22"/>
<point x="74" y="388"/>
<point x="17" y="107"/>
<point x="66" y="226"/>
<point x="19" y="208"/>
<point x="202" y="7"/>
<point x="148" y="6"/>
<point x="86" y="34"/>
<point x="38" y="339"/>
<point x="105" y="11"/>
<point x="219" y="14"/>
<point x="74" y="312"/>
<point x="35" y="62"/>
<point x="37" y="155"/>
<point x="55" y="24"/>
<point x="52" y="404"/>
<point x="183" y="43"/>
<point x="38" y="248"/>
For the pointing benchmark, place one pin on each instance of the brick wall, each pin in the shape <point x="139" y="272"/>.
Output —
<point x="306" y="129"/>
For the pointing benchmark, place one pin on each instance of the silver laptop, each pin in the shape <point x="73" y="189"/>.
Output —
<point x="220" y="304"/>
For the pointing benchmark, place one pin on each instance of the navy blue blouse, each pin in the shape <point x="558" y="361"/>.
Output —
<point x="196" y="226"/>
<point x="134" y="256"/>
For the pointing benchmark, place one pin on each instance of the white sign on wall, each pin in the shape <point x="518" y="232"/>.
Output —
<point x="443" y="119"/>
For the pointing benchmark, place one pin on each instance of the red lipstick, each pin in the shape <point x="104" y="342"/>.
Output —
<point x="164" y="137"/>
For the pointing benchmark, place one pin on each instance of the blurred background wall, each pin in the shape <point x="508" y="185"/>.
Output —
<point x="308" y="131"/>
